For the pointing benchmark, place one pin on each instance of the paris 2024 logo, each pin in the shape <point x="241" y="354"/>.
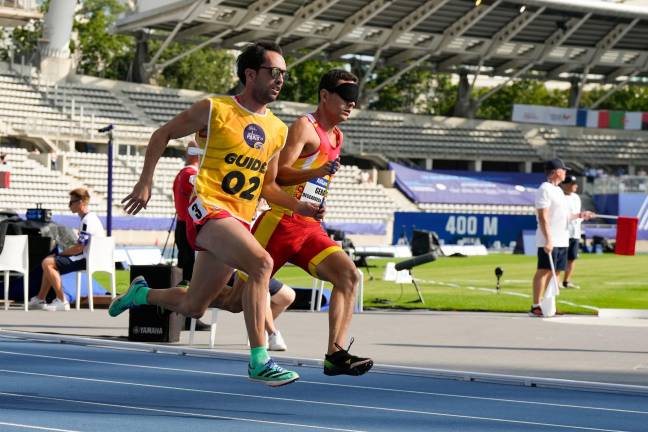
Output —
<point x="254" y="136"/>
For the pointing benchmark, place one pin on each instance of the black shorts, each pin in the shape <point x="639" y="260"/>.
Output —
<point x="65" y="265"/>
<point x="559" y="255"/>
<point x="275" y="285"/>
<point x="572" y="250"/>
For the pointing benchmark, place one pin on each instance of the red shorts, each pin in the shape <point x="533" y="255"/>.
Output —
<point x="193" y="227"/>
<point x="294" y="239"/>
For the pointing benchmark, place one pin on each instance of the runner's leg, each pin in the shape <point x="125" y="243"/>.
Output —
<point x="338" y="269"/>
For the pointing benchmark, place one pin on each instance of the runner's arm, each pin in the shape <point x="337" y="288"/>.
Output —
<point x="295" y="143"/>
<point x="185" y="123"/>
<point x="273" y="194"/>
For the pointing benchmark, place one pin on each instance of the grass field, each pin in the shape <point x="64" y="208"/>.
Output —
<point x="467" y="284"/>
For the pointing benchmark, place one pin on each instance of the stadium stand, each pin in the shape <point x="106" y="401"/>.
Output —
<point x="72" y="111"/>
<point x="32" y="183"/>
<point x="599" y="149"/>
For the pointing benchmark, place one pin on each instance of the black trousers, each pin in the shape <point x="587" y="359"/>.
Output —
<point x="186" y="255"/>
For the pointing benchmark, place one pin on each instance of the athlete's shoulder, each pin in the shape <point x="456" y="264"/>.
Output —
<point x="273" y="118"/>
<point x="301" y="123"/>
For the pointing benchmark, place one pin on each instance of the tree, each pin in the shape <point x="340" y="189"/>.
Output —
<point x="533" y="92"/>
<point x="417" y="91"/>
<point x="629" y="98"/>
<point x="101" y="53"/>
<point x="207" y="69"/>
<point x="22" y="40"/>
<point x="303" y="79"/>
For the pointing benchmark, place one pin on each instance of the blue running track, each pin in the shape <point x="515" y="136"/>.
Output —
<point x="47" y="386"/>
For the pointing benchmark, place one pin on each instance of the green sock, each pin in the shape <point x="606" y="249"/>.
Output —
<point x="141" y="295"/>
<point x="258" y="356"/>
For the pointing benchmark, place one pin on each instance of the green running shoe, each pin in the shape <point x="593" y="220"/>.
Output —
<point x="343" y="363"/>
<point x="271" y="374"/>
<point x="127" y="300"/>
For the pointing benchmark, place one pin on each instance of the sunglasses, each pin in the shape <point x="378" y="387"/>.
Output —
<point x="73" y="201"/>
<point x="276" y="72"/>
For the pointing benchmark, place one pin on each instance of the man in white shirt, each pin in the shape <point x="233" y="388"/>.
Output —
<point x="569" y="187"/>
<point x="71" y="259"/>
<point x="552" y="235"/>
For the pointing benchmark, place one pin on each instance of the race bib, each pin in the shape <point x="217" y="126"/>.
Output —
<point x="315" y="191"/>
<point x="197" y="210"/>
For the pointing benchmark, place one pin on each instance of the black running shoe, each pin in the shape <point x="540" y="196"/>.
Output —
<point x="343" y="363"/>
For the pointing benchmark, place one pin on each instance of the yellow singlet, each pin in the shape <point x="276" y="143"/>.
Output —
<point x="235" y="155"/>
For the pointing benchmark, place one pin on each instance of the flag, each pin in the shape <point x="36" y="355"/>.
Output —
<point x="616" y="119"/>
<point x="603" y="120"/>
<point x="581" y="118"/>
<point x="633" y="120"/>
<point x="592" y="119"/>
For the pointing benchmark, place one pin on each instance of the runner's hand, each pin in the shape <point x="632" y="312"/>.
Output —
<point x="138" y="198"/>
<point x="329" y="168"/>
<point x="310" y="210"/>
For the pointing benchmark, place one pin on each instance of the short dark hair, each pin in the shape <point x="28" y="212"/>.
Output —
<point x="253" y="56"/>
<point x="330" y="79"/>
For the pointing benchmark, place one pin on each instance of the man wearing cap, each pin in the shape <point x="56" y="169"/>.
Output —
<point x="569" y="187"/>
<point x="552" y="235"/>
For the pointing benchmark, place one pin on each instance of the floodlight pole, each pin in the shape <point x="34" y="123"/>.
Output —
<point x="109" y="129"/>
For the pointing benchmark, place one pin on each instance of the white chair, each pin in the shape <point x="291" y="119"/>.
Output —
<point x="15" y="257"/>
<point x="212" y="326"/>
<point x="101" y="257"/>
<point x="318" y="288"/>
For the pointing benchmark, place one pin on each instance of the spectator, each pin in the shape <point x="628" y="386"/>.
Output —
<point x="53" y="161"/>
<point x="642" y="172"/>
<point x="71" y="259"/>
<point x="4" y="171"/>
<point x="183" y="186"/>
<point x="552" y="235"/>
<point x="569" y="187"/>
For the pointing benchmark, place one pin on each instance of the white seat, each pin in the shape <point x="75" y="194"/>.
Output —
<point x="15" y="257"/>
<point x="212" y="326"/>
<point x="101" y="257"/>
<point x="318" y="287"/>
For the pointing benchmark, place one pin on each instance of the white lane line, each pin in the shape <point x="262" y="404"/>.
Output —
<point x="281" y="399"/>
<point x="391" y="410"/>
<point x="26" y="426"/>
<point x="180" y="413"/>
<point x="359" y="387"/>
<point x="510" y="293"/>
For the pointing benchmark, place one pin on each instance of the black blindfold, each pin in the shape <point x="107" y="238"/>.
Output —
<point x="347" y="91"/>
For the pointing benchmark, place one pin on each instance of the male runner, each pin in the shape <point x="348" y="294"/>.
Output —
<point x="306" y="167"/>
<point x="243" y="139"/>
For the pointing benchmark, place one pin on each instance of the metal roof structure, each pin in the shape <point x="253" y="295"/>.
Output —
<point x="594" y="41"/>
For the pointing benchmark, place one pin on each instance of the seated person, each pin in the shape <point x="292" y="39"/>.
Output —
<point x="71" y="259"/>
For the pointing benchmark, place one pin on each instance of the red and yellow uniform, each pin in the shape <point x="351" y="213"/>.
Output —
<point x="234" y="158"/>
<point x="294" y="238"/>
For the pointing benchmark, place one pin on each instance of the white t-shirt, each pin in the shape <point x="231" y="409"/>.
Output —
<point x="574" y="204"/>
<point x="90" y="226"/>
<point x="553" y="198"/>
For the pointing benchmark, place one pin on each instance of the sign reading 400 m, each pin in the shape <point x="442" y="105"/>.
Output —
<point x="469" y="225"/>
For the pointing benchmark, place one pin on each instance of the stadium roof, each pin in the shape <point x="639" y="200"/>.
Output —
<point x="547" y="39"/>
